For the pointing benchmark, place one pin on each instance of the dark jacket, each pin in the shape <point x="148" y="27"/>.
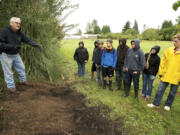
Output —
<point x="10" y="41"/>
<point x="121" y="52"/>
<point x="109" y="58"/>
<point x="95" y="48"/>
<point x="135" y="59"/>
<point x="97" y="56"/>
<point x="81" y="54"/>
<point x="154" y="62"/>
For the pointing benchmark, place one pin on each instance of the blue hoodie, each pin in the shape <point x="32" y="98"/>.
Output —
<point x="109" y="58"/>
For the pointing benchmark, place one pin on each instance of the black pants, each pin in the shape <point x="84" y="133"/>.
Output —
<point x="129" y="76"/>
<point x="93" y="68"/>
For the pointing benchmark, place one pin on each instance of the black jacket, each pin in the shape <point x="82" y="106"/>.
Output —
<point x="121" y="52"/>
<point x="153" y="62"/>
<point x="95" y="48"/>
<point x="10" y="41"/>
<point x="81" y="54"/>
<point x="97" y="56"/>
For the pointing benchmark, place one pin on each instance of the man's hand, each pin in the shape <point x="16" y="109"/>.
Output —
<point x="153" y="77"/>
<point x="135" y="72"/>
<point x="17" y="46"/>
<point x="39" y="47"/>
<point x="85" y="61"/>
<point x="98" y="66"/>
<point x="125" y="69"/>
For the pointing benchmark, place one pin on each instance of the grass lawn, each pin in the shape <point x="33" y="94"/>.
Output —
<point x="138" y="119"/>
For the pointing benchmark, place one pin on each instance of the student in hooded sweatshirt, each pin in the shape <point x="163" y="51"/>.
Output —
<point x="108" y="63"/>
<point x="81" y="55"/>
<point x="169" y="71"/>
<point x="97" y="61"/>
<point x="121" y="53"/>
<point x="133" y="65"/>
<point x="150" y="71"/>
<point x="93" y="68"/>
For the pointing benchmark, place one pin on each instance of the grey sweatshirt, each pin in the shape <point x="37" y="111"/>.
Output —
<point x="135" y="59"/>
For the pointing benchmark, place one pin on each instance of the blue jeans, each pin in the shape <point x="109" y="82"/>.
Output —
<point x="119" y="72"/>
<point x="81" y="69"/>
<point x="15" y="61"/>
<point x="160" y="93"/>
<point x="129" y="76"/>
<point x="147" y="80"/>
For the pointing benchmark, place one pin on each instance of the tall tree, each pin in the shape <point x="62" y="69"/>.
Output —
<point x="79" y="32"/>
<point x="93" y="28"/>
<point x="167" y="24"/>
<point x="96" y="28"/>
<point x="178" y="20"/>
<point x="126" y="26"/>
<point x="135" y="28"/>
<point x="89" y="28"/>
<point x="106" y="29"/>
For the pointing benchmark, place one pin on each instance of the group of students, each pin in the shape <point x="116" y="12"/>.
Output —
<point x="129" y="63"/>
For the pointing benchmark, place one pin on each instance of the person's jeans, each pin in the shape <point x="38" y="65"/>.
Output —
<point x="9" y="61"/>
<point x="160" y="93"/>
<point x="99" y="74"/>
<point x="147" y="80"/>
<point x="81" y="69"/>
<point x="129" y="76"/>
<point x="119" y="72"/>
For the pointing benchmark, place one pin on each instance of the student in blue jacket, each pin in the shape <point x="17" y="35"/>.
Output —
<point x="108" y="63"/>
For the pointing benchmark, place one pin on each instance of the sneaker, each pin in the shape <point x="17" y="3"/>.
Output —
<point x="13" y="90"/>
<point x="148" y="98"/>
<point x="125" y="95"/>
<point x="90" y="78"/>
<point x="142" y="96"/>
<point x="167" y="108"/>
<point x="151" y="105"/>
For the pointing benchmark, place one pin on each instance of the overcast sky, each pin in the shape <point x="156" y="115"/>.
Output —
<point x="116" y="12"/>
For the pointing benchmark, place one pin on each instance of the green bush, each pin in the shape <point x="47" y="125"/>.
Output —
<point x="150" y="34"/>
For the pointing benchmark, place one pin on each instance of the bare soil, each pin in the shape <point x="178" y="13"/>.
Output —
<point x="47" y="109"/>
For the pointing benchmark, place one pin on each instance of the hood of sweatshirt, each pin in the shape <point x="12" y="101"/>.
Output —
<point x="137" y="42"/>
<point x="96" y="42"/>
<point x="157" y="48"/>
<point x="123" y="40"/>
